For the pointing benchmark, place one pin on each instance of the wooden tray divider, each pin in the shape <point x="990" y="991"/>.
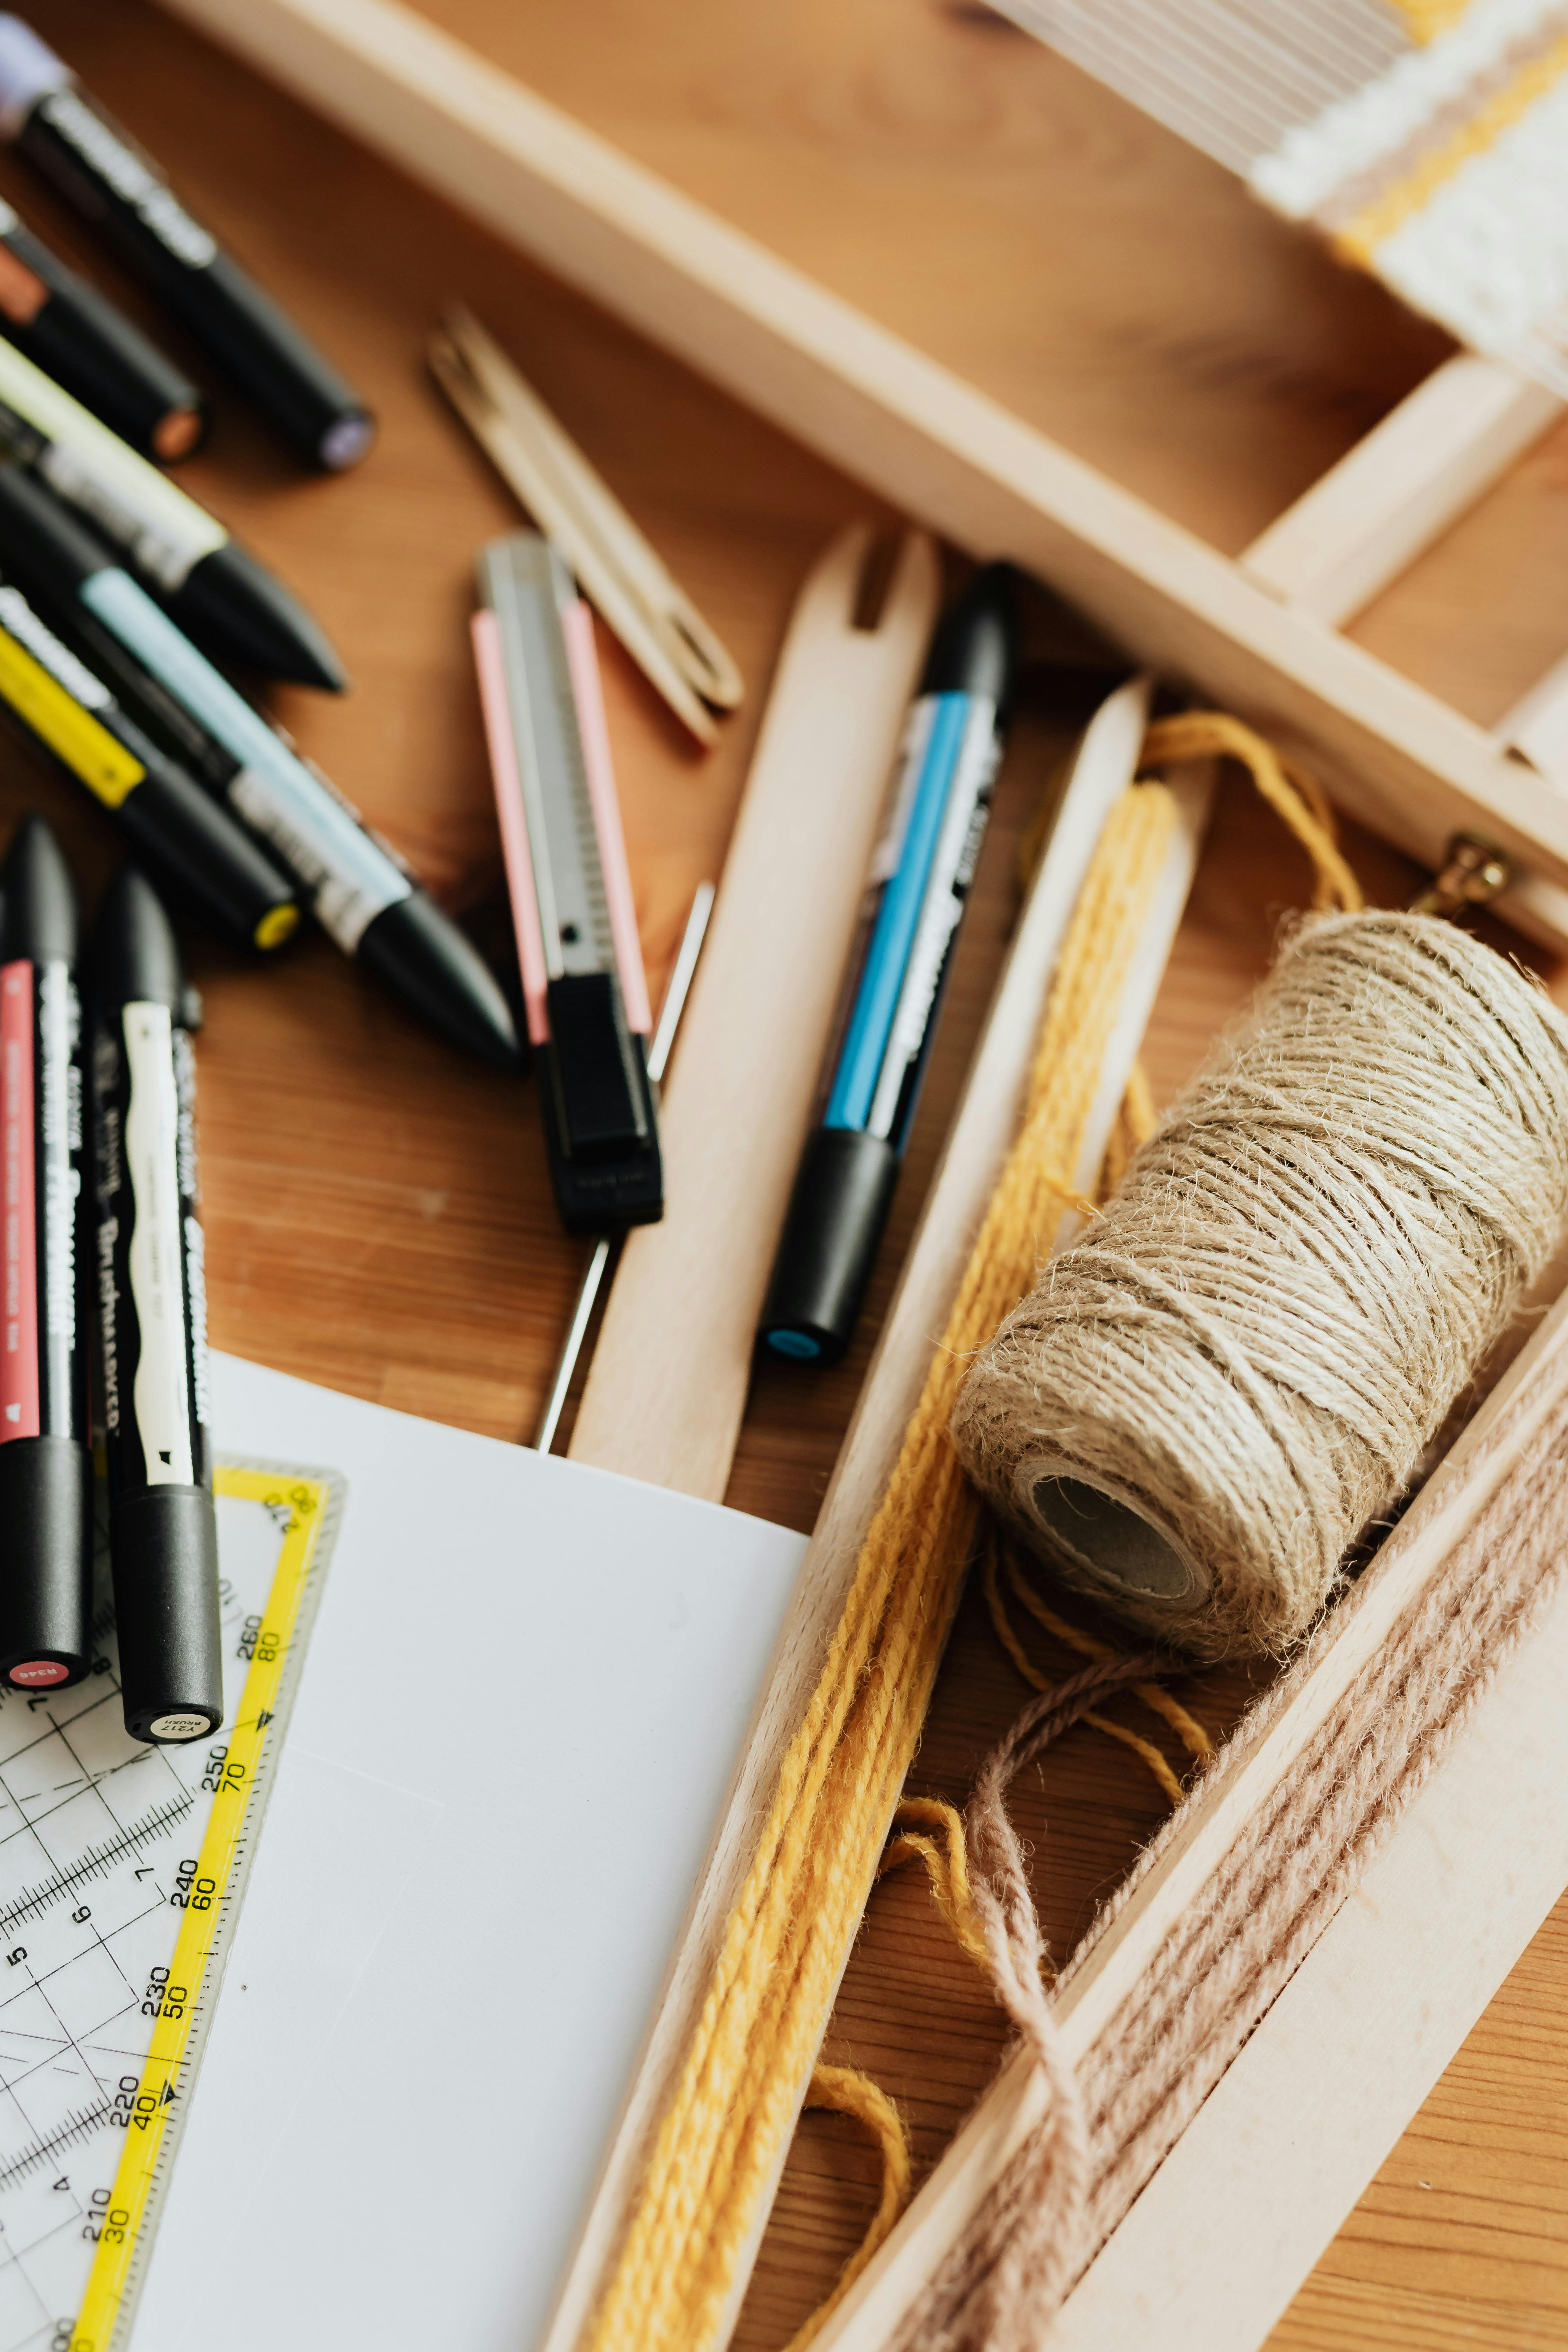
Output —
<point x="939" y="449"/>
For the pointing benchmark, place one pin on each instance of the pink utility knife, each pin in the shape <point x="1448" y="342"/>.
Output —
<point x="583" y="987"/>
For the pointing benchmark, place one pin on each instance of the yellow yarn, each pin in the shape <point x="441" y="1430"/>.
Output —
<point x="847" y="2092"/>
<point x="946" y="1865"/>
<point x="1292" y="791"/>
<point x="721" y="2137"/>
<point x="1135" y="1123"/>
<point x="1191" y="1731"/>
<point x="1187" y="1727"/>
<point x="1426" y="18"/>
<point x="946" y="1861"/>
<point x="1359" y="239"/>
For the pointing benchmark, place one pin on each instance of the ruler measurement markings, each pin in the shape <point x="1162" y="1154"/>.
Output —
<point x="94" y="1781"/>
<point x="141" y="2177"/>
<point x="95" y="1862"/>
<point x="85" y="2011"/>
<point x="66" y="2034"/>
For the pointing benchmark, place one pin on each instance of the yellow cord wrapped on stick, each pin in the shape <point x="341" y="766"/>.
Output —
<point x="719" y="2143"/>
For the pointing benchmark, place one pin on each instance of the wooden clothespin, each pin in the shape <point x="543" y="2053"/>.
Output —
<point x="618" y="571"/>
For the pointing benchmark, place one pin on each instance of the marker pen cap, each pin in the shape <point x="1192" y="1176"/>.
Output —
<point x="39" y="921"/>
<point x="837" y="1216"/>
<point x="973" y="651"/>
<point x="46" y="1562"/>
<point x="163" y="1543"/>
<point x="42" y="539"/>
<point x="29" y="70"/>
<point x="233" y="603"/>
<point x="93" y="350"/>
<point x="272" y="359"/>
<point x="435" y="968"/>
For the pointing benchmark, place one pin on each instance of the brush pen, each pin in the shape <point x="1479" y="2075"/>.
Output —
<point x="93" y="350"/>
<point x="210" y="583"/>
<point x="209" y="860"/>
<point x="582" y="981"/>
<point x="46" y="1431"/>
<point x="918" y="884"/>
<point x="360" y="895"/>
<point x="118" y="191"/>
<point x="152" y="1322"/>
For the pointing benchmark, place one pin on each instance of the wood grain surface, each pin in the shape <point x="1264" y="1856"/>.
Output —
<point x="379" y="1217"/>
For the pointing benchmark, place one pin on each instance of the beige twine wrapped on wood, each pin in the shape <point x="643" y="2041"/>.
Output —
<point x="1206" y="1401"/>
<point x="1112" y="2120"/>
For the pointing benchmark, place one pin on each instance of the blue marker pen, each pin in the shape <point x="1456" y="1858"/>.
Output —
<point x="918" y="882"/>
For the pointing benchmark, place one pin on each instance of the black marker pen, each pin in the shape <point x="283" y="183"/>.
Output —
<point x="78" y="336"/>
<point x="46" y="1437"/>
<point x="206" y="579"/>
<point x="152" y="1318"/>
<point x="103" y="175"/>
<point x="211" y="863"/>
<point x="360" y="895"/>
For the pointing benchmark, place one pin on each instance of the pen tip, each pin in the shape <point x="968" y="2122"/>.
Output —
<point x="135" y="956"/>
<point x="37" y="899"/>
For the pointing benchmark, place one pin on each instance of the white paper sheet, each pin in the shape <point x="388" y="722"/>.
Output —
<point x="524" y="1698"/>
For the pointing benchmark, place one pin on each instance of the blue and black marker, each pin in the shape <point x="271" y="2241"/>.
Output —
<point x="918" y="882"/>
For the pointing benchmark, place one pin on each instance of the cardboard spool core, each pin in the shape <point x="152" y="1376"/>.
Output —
<point x="1106" y="1538"/>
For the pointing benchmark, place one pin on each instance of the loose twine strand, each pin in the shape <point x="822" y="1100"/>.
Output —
<point x="1111" y="2121"/>
<point x="847" y="2092"/>
<point x="719" y="2139"/>
<point x="996" y="1553"/>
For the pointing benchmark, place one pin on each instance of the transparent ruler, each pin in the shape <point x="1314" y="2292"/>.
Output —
<point x="121" y="1872"/>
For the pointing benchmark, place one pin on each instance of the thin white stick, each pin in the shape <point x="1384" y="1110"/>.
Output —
<point x="588" y="1291"/>
<point x="678" y="986"/>
<point x="676" y="992"/>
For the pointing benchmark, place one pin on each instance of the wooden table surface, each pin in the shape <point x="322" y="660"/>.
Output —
<point x="379" y="1218"/>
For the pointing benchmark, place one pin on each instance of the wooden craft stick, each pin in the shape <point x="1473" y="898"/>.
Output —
<point x="977" y="1146"/>
<point x="1209" y="1825"/>
<point x="1399" y="489"/>
<point x="1536" y="729"/>
<point x="1261" y="2181"/>
<point x="616" y="567"/>
<point x="1394" y="495"/>
<point x="939" y="449"/>
<point x="668" y="1386"/>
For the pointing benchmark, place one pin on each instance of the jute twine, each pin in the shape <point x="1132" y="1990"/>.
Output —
<point x="1112" y="2119"/>
<point x="1238" y="1366"/>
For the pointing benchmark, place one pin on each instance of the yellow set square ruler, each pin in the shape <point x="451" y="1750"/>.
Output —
<point x="121" y="1872"/>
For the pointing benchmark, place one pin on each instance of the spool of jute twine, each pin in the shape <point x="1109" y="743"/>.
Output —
<point x="1235" y="1371"/>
